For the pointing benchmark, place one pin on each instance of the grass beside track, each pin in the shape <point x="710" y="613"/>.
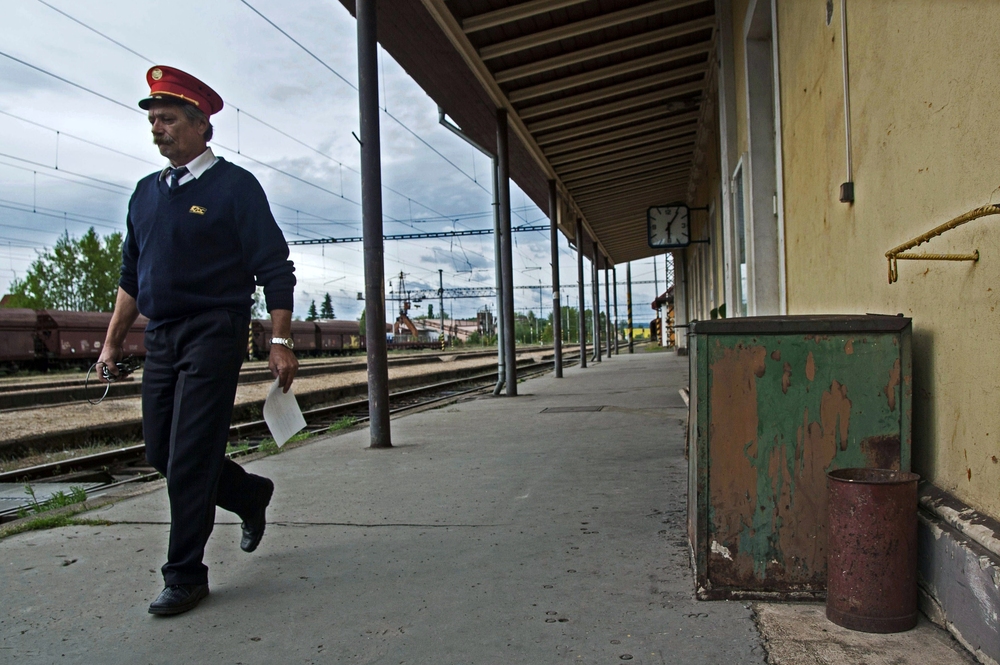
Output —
<point x="35" y="458"/>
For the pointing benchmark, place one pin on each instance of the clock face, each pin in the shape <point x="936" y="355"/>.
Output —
<point x="669" y="226"/>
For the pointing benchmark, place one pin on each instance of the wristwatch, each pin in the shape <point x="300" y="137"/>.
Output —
<point x="284" y="341"/>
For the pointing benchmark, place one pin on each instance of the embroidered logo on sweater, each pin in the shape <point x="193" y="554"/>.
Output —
<point x="198" y="210"/>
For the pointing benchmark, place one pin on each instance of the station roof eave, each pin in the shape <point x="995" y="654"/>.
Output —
<point x="606" y="97"/>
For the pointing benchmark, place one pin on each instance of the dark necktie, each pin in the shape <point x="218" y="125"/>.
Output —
<point x="174" y="176"/>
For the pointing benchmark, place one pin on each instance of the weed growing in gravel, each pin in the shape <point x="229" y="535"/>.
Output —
<point x="58" y="500"/>
<point x="268" y="447"/>
<point x="240" y="448"/>
<point x="50" y="522"/>
<point x="343" y="423"/>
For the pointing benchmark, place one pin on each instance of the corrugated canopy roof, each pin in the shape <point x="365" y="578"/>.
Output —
<point x="604" y="96"/>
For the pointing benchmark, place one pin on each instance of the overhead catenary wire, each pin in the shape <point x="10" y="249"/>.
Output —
<point x="126" y="189"/>
<point x="241" y="111"/>
<point x="282" y="132"/>
<point x="59" y="177"/>
<point x="441" y="219"/>
<point x="139" y="111"/>
<point x="355" y="88"/>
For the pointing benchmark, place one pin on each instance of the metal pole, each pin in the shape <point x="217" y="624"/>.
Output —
<point x="556" y="305"/>
<point x="596" y="285"/>
<point x="441" y="302"/>
<point x="614" y="276"/>
<point x="581" y="319"/>
<point x="607" y="308"/>
<point x="501" y="360"/>
<point x="506" y="252"/>
<point x="538" y="319"/>
<point x="628" y="306"/>
<point x="371" y="224"/>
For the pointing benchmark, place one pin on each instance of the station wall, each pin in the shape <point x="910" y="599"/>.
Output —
<point x="924" y="140"/>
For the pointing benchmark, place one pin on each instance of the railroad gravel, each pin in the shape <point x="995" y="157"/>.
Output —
<point x="64" y="417"/>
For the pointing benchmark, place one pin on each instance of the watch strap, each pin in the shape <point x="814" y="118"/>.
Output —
<point x="283" y="341"/>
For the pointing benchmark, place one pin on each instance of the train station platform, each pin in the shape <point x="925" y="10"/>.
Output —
<point x="541" y="529"/>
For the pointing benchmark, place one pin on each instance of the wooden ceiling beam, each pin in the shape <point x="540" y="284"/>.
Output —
<point x="567" y="82"/>
<point x="615" y="197"/>
<point x="630" y="166"/>
<point x="628" y="120"/>
<point x="601" y="50"/>
<point x="618" y="106"/>
<point x="514" y="13"/>
<point x="680" y="135"/>
<point x="659" y="171"/>
<point x="578" y="28"/>
<point x="611" y="90"/>
<point x="666" y="149"/>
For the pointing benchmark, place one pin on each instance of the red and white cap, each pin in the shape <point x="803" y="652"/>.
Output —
<point x="169" y="83"/>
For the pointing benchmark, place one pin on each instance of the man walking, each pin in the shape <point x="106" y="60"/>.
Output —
<point x="200" y="236"/>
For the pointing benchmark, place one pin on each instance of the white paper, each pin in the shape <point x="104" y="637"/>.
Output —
<point x="282" y="414"/>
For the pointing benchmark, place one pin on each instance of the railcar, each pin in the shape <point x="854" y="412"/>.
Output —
<point x="303" y="335"/>
<point x="67" y="337"/>
<point x="17" y="338"/>
<point x="339" y="336"/>
<point x="55" y="338"/>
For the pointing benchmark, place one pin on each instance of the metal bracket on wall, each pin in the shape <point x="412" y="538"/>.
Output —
<point x="897" y="253"/>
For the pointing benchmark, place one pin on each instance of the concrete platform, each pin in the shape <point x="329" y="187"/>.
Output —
<point x="495" y="532"/>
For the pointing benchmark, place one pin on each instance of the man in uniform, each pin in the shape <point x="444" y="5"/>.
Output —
<point x="200" y="236"/>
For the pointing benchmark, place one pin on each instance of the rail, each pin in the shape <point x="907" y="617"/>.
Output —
<point x="897" y="253"/>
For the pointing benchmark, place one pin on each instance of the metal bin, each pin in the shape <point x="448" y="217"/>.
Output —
<point x="776" y="403"/>
<point x="872" y="563"/>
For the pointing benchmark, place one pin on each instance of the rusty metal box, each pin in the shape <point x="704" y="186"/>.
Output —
<point x="776" y="402"/>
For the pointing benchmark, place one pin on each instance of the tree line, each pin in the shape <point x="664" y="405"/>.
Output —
<point x="76" y="274"/>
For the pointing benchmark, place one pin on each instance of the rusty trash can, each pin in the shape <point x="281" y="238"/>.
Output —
<point x="872" y="550"/>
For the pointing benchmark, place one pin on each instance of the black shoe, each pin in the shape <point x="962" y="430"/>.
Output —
<point x="253" y="526"/>
<point x="178" y="598"/>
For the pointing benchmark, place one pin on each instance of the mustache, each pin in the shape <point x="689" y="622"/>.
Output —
<point x="162" y="140"/>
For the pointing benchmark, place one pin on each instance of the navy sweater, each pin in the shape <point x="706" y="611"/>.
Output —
<point x="204" y="246"/>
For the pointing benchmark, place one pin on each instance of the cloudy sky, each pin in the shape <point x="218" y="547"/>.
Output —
<point x="73" y="143"/>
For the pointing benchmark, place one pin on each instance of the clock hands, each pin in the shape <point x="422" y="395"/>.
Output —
<point x="670" y="223"/>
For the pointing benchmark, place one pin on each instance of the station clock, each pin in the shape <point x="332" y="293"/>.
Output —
<point x="669" y="226"/>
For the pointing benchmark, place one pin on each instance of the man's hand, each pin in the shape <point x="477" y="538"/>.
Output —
<point x="282" y="361"/>
<point x="110" y="355"/>
<point x="125" y="314"/>
<point x="283" y="365"/>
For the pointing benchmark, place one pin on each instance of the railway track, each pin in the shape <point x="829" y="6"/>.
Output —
<point x="38" y="393"/>
<point x="104" y="471"/>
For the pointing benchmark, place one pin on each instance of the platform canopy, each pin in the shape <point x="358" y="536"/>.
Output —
<point x="604" y="96"/>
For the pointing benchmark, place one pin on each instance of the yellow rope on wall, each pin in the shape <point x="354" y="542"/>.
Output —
<point x="896" y="253"/>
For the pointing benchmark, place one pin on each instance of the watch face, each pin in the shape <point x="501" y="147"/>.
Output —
<point x="669" y="226"/>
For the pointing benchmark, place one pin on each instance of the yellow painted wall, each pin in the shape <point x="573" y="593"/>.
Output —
<point x="926" y="143"/>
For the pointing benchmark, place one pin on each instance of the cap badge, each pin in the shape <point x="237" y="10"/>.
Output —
<point x="156" y="74"/>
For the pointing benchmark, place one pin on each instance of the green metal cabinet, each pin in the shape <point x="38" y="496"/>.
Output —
<point x="776" y="402"/>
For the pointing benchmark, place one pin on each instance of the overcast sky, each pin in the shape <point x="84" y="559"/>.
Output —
<point x="78" y="168"/>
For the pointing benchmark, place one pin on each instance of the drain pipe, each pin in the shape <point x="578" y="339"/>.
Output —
<point x="501" y="358"/>
<point x="847" y="188"/>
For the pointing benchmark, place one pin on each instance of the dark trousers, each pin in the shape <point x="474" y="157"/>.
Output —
<point x="188" y="388"/>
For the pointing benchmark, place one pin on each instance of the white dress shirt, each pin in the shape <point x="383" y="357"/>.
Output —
<point x="196" y="167"/>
